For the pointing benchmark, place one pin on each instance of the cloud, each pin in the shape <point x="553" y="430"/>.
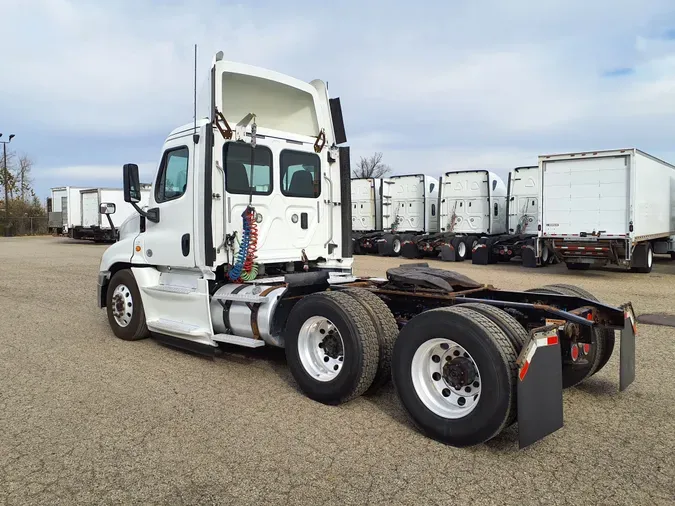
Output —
<point x="433" y="85"/>
<point x="94" y="174"/>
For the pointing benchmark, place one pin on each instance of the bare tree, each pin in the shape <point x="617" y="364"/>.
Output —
<point x="371" y="167"/>
<point x="22" y="176"/>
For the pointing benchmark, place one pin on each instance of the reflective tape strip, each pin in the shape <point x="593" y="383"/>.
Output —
<point x="539" y="342"/>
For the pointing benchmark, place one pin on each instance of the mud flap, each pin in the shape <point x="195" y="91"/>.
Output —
<point x="480" y="255"/>
<point x="529" y="257"/>
<point x="409" y="249"/>
<point x="540" y="397"/>
<point x="385" y="246"/>
<point x="627" y="351"/>
<point x="448" y="253"/>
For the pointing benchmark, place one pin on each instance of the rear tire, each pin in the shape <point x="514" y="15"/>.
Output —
<point x="385" y="327"/>
<point x="348" y="332"/>
<point x="573" y="374"/>
<point x="125" y="307"/>
<point x="507" y="323"/>
<point x="607" y="336"/>
<point x="643" y="258"/>
<point x="460" y="249"/>
<point x="487" y="364"/>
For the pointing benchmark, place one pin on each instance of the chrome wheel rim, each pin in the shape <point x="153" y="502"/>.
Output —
<point x="446" y="378"/>
<point x="397" y="245"/>
<point x="321" y="348"/>
<point x="122" y="305"/>
<point x="461" y="249"/>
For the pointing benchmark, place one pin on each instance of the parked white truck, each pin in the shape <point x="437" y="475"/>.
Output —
<point x="521" y="236"/>
<point x="100" y="228"/>
<point x="400" y="208"/>
<point x="472" y="207"/>
<point x="66" y="213"/>
<point x="246" y="242"/>
<point x="607" y="207"/>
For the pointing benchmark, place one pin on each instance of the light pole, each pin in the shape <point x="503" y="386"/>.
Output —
<point x="5" y="174"/>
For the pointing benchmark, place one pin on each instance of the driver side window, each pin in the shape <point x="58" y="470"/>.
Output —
<point x="173" y="176"/>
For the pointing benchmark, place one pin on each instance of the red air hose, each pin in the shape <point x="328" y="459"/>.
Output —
<point x="253" y="241"/>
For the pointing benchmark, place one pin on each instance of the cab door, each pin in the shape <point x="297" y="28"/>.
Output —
<point x="170" y="242"/>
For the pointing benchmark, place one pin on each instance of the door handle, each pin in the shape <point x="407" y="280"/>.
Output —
<point x="185" y="244"/>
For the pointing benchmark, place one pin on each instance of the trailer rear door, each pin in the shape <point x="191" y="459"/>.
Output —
<point x="364" y="210"/>
<point x="90" y="209"/>
<point x="408" y="201"/>
<point x="586" y="195"/>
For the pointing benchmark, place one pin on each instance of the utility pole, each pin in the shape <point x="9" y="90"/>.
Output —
<point x="5" y="175"/>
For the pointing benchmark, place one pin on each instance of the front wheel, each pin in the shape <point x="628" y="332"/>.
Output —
<point x="125" y="307"/>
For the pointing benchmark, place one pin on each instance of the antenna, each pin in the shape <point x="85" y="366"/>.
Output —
<point x="195" y="136"/>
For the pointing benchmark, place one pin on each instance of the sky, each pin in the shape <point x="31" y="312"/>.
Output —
<point x="434" y="85"/>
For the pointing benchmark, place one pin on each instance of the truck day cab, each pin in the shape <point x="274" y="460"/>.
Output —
<point x="246" y="241"/>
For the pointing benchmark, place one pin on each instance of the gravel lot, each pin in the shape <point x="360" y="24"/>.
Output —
<point x="88" y="419"/>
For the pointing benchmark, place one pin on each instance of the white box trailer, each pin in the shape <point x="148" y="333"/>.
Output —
<point x="607" y="207"/>
<point x="66" y="213"/>
<point x="389" y="211"/>
<point x="472" y="208"/>
<point x="96" y="227"/>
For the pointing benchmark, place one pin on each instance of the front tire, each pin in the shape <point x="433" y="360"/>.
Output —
<point x="331" y="347"/>
<point x="455" y="373"/>
<point x="125" y="307"/>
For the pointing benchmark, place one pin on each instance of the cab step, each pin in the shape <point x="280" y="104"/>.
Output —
<point x="170" y="327"/>
<point x="235" y="297"/>
<point x="183" y="290"/>
<point x="238" y="340"/>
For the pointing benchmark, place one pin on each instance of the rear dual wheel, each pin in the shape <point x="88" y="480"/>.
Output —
<point x="454" y="370"/>
<point x="464" y="247"/>
<point x="338" y="344"/>
<point x="602" y="341"/>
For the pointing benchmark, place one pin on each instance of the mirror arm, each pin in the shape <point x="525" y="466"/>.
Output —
<point x="112" y="227"/>
<point x="150" y="214"/>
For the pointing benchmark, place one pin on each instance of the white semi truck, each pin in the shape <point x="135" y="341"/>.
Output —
<point x="399" y="208"/>
<point x="246" y="241"/>
<point x="522" y="226"/>
<point x="100" y="228"/>
<point x="607" y="207"/>
<point x="472" y="207"/>
<point x="66" y="213"/>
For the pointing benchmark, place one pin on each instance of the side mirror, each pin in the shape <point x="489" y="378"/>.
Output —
<point x="132" y="185"/>
<point x="107" y="208"/>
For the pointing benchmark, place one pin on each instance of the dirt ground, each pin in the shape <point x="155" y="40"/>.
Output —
<point x="88" y="419"/>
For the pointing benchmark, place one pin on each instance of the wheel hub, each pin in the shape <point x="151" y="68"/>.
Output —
<point x="459" y="372"/>
<point x="332" y="345"/>
<point x="122" y="305"/>
<point x="320" y="348"/>
<point x="446" y="378"/>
